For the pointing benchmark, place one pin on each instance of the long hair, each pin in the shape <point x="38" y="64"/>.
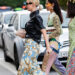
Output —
<point x="57" y="9"/>
<point x="71" y="9"/>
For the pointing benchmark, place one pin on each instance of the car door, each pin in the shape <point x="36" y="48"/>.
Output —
<point x="1" y="27"/>
<point x="10" y="36"/>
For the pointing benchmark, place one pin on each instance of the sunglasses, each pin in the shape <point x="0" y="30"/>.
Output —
<point x="48" y="4"/>
<point x="29" y="3"/>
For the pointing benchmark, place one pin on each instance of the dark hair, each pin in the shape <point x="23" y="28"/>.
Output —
<point x="57" y="9"/>
<point x="71" y="9"/>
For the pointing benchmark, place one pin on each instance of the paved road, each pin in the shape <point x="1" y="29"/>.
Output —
<point x="7" y="68"/>
<point x="4" y="71"/>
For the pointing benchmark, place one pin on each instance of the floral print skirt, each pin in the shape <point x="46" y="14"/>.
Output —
<point x="71" y="65"/>
<point x="71" y="55"/>
<point x="29" y="64"/>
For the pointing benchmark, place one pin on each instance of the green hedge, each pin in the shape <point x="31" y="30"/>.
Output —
<point x="19" y="3"/>
<point x="63" y="3"/>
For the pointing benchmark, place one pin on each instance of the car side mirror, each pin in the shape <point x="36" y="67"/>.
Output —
<point x="10" y="25"/>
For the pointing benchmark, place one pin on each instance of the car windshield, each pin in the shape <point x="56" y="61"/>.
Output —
<point x="45" y="18"/>
<point x="23" y="19"/>
<point x="7" y="18"/>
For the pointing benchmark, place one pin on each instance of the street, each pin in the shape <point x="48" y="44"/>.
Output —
<point x="7" y="68"/>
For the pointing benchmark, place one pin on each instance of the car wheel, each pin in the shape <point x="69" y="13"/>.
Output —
<point x="1" y="41"/>
<point x="7" y="59"/>
<point x="16" y="62"/>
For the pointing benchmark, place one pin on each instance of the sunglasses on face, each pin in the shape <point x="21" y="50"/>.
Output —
<point x="48" y="4"/>
<point x="29" y="3"/>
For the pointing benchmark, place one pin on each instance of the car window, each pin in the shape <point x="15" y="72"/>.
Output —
<point x="7" y="18"/>
<point x="45" y="18"/>
<point x="13" y="18"/>
<point x="23" y="19"/>
<point x="15" y="23"/>
<point x="0" y="18"/>
<point x="65" y="20"/>
<point x="0" y="15"/>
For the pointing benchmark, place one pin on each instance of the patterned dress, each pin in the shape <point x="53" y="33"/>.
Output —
<point x="29" y="64"/>
<point x="71" y="59"/>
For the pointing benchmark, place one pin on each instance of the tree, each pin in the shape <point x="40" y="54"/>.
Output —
<point x="43" y="2"/>
<point x="11" y="3"/>
<point x="19" y="3"/>
<point x="63" y="3"/>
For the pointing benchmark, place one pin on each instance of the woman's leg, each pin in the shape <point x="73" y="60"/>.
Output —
<point x="55" y="63"/>
<point x="58" y="67"/>
<point x="50" y="62"/>
<point x="29" y="64"/>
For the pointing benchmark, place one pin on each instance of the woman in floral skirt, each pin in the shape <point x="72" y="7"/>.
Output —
<point x="33" y="28"/>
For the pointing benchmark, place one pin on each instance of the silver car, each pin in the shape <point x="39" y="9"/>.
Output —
<point x="14" y="45"/>
<point x="4" y="22"/>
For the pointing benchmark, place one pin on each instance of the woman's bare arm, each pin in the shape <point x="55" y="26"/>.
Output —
<point x="46" y="40"/>
<point x="21" y="33"/>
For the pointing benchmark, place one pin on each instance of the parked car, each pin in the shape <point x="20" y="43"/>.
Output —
<point x="64" y="39"/>
<point x="15" y="46"/>
<point x="5" y="8"/>
<point x="4" y="22"/>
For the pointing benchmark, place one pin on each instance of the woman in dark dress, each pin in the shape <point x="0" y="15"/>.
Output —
<point x="33" y="28"/>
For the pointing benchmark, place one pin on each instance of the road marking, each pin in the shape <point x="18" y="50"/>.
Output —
<point x="8" y="66"/>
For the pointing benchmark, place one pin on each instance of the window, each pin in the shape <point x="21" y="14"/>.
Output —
<point x="1" y="18"/>
<point x="65" y="20"/>
<point x="15" y="23"/>
<point x="23" y="19"/>
<point x="45" y="18"/>
<point x="13" y="18"/>
<point x="7" y="18"/>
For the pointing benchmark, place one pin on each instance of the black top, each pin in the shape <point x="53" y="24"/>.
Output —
<point x="33" y="26"/>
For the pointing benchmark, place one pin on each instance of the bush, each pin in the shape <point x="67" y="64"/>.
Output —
<point x="63" y="4"/>
<point x="19" y="3"/>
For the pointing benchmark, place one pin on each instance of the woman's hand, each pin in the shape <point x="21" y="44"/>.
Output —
<point x="49" y="50"/>
<point x="21" y="33"/>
